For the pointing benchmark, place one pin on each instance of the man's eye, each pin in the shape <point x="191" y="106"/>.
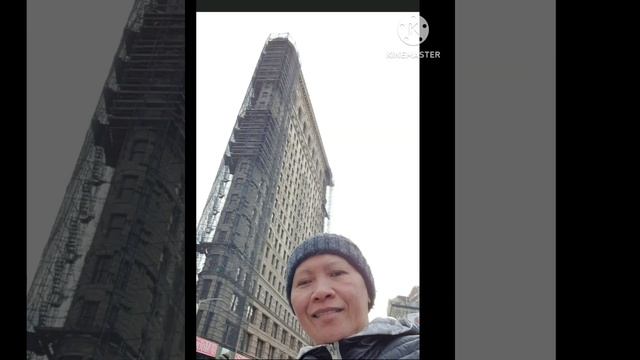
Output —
<point x="303" y="282"/>
<point x="338" y="273"/>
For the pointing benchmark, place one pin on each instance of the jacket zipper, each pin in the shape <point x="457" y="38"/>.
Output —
<point x="334" y="350"/>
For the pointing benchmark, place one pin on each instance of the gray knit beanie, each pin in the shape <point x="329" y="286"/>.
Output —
<point x="334" y="245"/>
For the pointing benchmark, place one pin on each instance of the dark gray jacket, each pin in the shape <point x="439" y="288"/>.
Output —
<point x="384" y="338"/>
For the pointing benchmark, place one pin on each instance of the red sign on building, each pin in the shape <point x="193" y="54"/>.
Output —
<point x="204" y="346"/>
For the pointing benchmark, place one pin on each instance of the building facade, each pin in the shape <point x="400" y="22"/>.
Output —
<point x="406" y="307"/>
<point x="110" y="284"/>
<point x="270" y="193"/>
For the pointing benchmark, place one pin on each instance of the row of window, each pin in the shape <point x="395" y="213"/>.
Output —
<point x="297" y="148"/>
<point x="118" y="221"/>
<point x="283" y="338"/>
<point x="281" y="311"/>
<point x="263" y="296"/>
<point x="263" y="350"/>
<point x="280" y="335"/>
<point x="311" y="196"/>
<point x="311" y="213"/>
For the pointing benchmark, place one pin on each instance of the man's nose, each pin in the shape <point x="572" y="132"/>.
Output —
<point x="323" y="290"/>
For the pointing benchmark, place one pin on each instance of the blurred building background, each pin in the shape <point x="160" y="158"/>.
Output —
<point x="110" y="284"/>
<point x="406" y="307"/>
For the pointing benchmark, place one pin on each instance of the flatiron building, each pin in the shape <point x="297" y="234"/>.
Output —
<point x="272" y="191"/>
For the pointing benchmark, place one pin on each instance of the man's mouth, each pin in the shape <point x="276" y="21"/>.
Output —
<point x="325" y="311"/>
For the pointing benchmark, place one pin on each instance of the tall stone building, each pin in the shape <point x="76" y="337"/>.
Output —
<point x="270" y="193"/>
<point x="110" y="284"/>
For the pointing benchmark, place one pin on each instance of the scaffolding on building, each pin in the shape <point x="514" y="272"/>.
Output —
<point x="142" y="99"/>
<point x="210" y="216"/>
<point x="248" y="138"/>
<point x="259" y="138"/>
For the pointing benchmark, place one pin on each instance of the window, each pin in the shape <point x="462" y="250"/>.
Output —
<point x="204" y="289"/>
<point x="274" y="331"/>
<point x="233" y="200"/>
<point x="264" y="322"/>
<point x="212" y="260"/>
<point x="124" y="275"/>
<point x="139" y="149"/>
<point x="207" y="322"/>
<point x="128" y="186"/>
<point x="251" y="313"/>
<point x="88" y="313"/>
<point x="116" y="224"/>
<point x="101" y="273"/>
<point x="245" y="342"/>
<point x="292" y="342"/>
<point x="234" y="303"/>
<point x="199" y="317"/>
<point x="228" y="330"/>
<point x="222" y="265"/>
<point x="222" y="235"/>
<point x="283" y="339"/>
<point x="259" y="348"/>
<point x="271" y="351"/>
<point x="216" y="292"/>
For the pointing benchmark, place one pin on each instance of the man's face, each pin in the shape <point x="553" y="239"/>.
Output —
<point x="330" y="298"/>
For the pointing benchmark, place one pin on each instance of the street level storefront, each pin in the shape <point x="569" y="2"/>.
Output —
<point x="207" y="349"/>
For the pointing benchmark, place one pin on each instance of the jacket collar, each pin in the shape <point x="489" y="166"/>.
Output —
<point x="379" y="326"/>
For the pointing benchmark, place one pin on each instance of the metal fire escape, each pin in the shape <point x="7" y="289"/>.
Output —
<point x="144" y="89"/>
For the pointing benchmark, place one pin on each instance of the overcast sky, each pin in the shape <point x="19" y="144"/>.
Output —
<point x="367" y="109"/>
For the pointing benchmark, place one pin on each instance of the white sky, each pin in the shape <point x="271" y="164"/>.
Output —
<point x="367" y="109"/>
